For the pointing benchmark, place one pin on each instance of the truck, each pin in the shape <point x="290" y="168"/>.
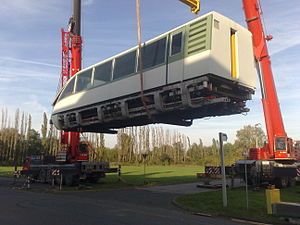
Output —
<point x="47" y="168"/>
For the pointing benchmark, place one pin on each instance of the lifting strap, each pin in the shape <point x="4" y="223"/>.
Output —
<point x="140" y="59"/>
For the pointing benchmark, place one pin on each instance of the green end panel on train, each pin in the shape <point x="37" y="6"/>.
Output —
<point x="198" y="36"/>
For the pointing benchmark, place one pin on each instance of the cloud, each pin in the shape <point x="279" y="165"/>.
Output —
<point x="282" y="24"/>
<point x="29" y="62"/>
<point x="87" y="2"/>
<point x="33" y="106"/>
<point x="26" y="7"/>
<point x="19" y="73"/>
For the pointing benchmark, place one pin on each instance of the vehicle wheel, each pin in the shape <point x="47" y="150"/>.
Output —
<point x="291" y="182"/>
<point x="281" y="182"/>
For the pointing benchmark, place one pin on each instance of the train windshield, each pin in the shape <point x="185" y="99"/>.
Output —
<point x="68" y="89"/>
<point x="83" y="80"/>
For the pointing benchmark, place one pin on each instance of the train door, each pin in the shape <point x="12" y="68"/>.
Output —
<point x="175" y="56"/>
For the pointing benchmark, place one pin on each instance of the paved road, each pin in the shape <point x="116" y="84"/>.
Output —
<point x="109" y="207"/>
<point x="190" y="188"/>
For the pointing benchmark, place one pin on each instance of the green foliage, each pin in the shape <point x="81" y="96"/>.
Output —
<point x="165" y="159"/>
<point x="35" y="146"/>
<point x="212" y="202"/>
<point x="8" y="171"/>
<point x="44" y="128"/>
<point x="19" y="140"/>
<point x="250" y="137"/>
<point x="164" y="147"/>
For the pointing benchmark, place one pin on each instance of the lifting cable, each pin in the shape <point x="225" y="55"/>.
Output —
<point x="140" y="58"/>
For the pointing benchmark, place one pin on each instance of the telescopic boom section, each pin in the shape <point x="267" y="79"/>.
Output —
<point x="76" y="43"/>
<point x="277" y="138"/>
<point x="76" y="48"/>
<point x="72" y="139"/>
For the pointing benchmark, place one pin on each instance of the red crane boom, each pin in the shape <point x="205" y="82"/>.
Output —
<point x="277" y="147"/>
<point x="72" y="43"/>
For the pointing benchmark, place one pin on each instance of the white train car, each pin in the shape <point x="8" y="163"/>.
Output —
<point x="203" y="68"/>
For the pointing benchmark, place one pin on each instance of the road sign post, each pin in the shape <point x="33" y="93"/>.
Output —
<point x="246" y="154"/>
<point x="222" y="138"/>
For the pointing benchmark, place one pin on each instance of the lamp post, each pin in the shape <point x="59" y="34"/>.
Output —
<point x="256" y="139"/>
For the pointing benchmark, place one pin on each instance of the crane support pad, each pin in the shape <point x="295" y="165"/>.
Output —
<point x="286" y="209"/>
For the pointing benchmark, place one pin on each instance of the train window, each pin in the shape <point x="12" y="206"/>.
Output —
<point x="154" y="53"/>
<point x="125" y="65"/>
<point x="176" y="44"/>
<point x="83" y="80"/>
<point x="102" y="73"/>
<point x="68" y="90"/>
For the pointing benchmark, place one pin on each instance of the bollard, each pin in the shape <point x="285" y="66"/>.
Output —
<point x="272" y="196"/>
<point x="28" y="182"/>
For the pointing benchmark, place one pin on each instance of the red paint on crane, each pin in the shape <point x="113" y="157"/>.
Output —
<point x="273" y="118"/>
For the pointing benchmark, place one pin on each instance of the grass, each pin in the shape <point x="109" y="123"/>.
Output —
<point x="155" y="175"/>
<point x="134" y="176"/>
<point x="212" y="202"/>
<point x="7" y="171"/>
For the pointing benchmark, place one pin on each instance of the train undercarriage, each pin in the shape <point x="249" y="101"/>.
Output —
<point x="177" y="104"/>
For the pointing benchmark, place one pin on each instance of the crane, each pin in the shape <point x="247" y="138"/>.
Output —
<point x="71" y="162"/>
<point x="277" y="147"/>
<point x="72" y="44"/>
<point x="276" y="160"/>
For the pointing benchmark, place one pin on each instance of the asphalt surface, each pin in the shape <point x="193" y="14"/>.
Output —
<point x="106" y="207"/>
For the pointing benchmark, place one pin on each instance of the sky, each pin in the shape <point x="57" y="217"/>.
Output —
<point x="30" y="52"/>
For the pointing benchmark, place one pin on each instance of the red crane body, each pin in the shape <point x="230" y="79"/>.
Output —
<point x="278" y="146"/>
<point x="72" y="43"/>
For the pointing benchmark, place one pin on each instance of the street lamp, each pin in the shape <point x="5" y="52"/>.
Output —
<point x="256" y="139"/>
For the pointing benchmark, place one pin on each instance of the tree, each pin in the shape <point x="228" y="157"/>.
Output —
<point x="250" y="137"/>
<point x="34" y="143"/>
<point x="44" y="130"/>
